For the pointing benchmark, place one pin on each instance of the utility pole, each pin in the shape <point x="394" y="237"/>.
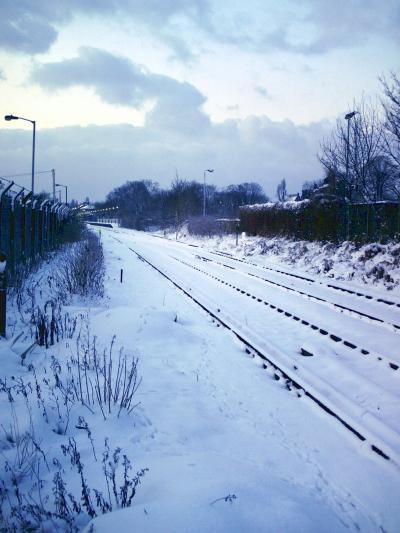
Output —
<point x="53" y="173"/>
<point x="348" y="117"/>
<point x="204" y="190"/>
<point x="66" y="191"/>
<point x="33" y="156"/>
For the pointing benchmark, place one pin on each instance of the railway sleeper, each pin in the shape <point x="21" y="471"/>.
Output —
<point x="350" y="345"/>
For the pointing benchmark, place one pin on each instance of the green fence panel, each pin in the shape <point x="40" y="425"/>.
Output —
<point x="35" y="233"/>
<point x="5" y="225"/>
<point x="17" y="231"/>
<point x="28" y="252"/>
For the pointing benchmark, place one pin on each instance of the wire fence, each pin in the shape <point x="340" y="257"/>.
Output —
<point x="29" y="226"/>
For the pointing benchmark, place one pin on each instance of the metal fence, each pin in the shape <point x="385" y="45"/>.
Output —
<point x="29" y="226"/>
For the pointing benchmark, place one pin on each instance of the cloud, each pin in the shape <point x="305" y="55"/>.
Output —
<point x="32" y="26"/>
<point x="345" y="23"/>
<point x="176" y="134"/>
<point x="93" y="160"/>
<point x="312" y="27"/>
<point x="262" y="91"/>
<point x="117" y="80"/>
<point x="27" y="29"/>
<point x="2" y="75"/>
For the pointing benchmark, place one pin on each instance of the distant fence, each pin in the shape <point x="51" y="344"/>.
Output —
<point x="28" y="226"/>
<point x="210" y="225"/>
<point x="323" y="221"/>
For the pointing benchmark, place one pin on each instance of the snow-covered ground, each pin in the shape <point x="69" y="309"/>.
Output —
<point x="228" y="447"/>
<point x="221" y="425"/>
<point x="375" y="264"/>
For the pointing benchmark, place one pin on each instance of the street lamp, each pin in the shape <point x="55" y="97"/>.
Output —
<point x="66" y="190"/>
<point x="53" y="176"/>
<point x="204" y="190"/>
<point x="33" y="122"/>
<point x="348" y="117"/>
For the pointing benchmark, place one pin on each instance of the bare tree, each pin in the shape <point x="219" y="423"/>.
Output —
<point x="352" y="151"/>
<point x="391" y="107"/>
<point x="185" y="198"/>
<point x="281" y="191"/>
<point x="134" y="201"/>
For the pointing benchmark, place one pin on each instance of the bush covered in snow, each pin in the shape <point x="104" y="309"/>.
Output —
<point x="81" y="268"/>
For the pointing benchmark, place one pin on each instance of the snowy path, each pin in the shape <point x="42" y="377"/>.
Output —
<point x="218" y="424"/>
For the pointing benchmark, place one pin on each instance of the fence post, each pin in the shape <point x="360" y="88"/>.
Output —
<point x="3" y="294"/>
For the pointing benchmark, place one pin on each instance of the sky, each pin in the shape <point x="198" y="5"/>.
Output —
<point x="131" y="89"/>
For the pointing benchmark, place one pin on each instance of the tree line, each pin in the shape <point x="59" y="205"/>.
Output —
<point x="143" y="204"/>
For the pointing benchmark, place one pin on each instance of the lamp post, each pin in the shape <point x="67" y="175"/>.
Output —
<point x="53" y="176"/>
<point x="33" y="122"/>
<point x="66" y="190"/>
<point x="348" y="117"/>
<point x="204" y="190"/>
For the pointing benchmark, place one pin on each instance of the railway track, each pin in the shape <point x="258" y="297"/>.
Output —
<point x="339" y="307"/>
<point x="335" y="287"/>
<point x="286" y="375"/>
<point x="357" y="313"/>
<point x="322" y="331"/>
<point x="360" y="294"/>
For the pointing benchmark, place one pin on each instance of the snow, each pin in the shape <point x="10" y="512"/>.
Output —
<point x="212" y="422"/>
<point x="370" y="266"/>
<point x="347" y="383"/>
<point x="290" y="205"/>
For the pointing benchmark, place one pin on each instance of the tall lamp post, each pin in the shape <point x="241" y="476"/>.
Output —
<point x="66" y="190"/>
<point x="33" y="122"/>
<point x="204" y="190"/>
<point x="348" y="117"/>
<point x="53" y="176"/>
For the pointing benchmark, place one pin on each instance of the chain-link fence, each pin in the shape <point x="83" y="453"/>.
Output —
<point x="29" y="226"/>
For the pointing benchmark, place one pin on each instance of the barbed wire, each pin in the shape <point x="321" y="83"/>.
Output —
<point x="26" y="174"/>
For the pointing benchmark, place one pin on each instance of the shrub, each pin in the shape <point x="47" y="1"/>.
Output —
<point x="203" y="226"/>
<point x="81" y="268"/>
